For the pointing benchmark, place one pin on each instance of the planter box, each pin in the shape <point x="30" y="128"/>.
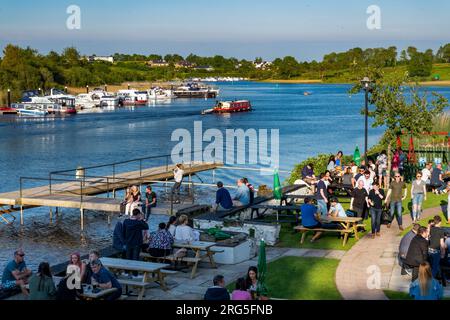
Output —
<point x="235" y="254"/>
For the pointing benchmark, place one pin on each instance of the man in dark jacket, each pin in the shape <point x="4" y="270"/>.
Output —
<point x="132" y="234"/>
<point x="417" y="252"/>
<point x="218" y="292"/>
<point x="118" y="239"/>
<point x="404" y="246"/>
<point x="223" y="198"/>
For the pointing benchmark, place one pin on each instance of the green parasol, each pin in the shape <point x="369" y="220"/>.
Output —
<point x="357" y="157"/>
<point x="261" y="289"/>
<point x="277" y="192"/>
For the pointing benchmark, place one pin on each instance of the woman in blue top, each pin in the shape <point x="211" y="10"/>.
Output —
<point x="425" y="287"/>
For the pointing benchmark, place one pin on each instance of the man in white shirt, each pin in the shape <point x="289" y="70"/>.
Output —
<point x="178" y="173"/>
<point x="368" y="181"/>
<point x="426" y="173"/>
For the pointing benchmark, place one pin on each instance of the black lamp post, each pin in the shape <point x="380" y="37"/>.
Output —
<point x="128" y="86"/>
<point x="65" y="89"/>
<point x="39" y="90"/>
<point x="9" y="98"/>
<point x="106" y="87"/>
<point x="366" y="87"/>
<point x="87" y="88"/>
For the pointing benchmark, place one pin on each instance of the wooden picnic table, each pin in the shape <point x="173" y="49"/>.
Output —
<point x="276" y="208"/>
<point x="149" y="270"/>
<point x="198" y="247"/>
<point x="90" y="295"/>
<point x="349" y="225"/>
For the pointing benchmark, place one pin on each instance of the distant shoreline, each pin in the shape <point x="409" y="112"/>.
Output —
<point x="440" y="83"/>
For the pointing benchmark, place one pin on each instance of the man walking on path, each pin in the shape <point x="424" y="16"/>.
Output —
<point x="394" y="197"/>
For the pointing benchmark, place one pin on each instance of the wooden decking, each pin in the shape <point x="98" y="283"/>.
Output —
<point x="81" y="193"/>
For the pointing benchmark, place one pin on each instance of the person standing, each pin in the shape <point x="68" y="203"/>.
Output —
<point x="322" y="195"/>
<point x="178" y="173"/>
<point x="150" y="201"/>
<point x="382" y="167"/>
<point x="404" y="246"/>
<point x="394" y="198"/>
<point x="359" y="199"/>
<point x="436" y="181"/>
<point x="425" y="287"/>
<point x="436" y="249"/>
<point x="376" y="197"/>
<point x="418" y="195"/>
<point x="133" y="234"/>
<point x="426" y="173"/>
<point x="417" y="252"/>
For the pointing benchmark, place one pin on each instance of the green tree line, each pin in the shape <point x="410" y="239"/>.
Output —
<point x="25" y="68"/>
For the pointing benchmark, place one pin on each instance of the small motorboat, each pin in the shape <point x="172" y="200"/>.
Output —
<point x="306" y="93"/>
<point x="229" y="107"/>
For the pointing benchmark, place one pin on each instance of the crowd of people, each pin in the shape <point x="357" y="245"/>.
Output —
<point x="424" y="253"/>
<point x="245" y="194"/>
<point x="369" y="191"/>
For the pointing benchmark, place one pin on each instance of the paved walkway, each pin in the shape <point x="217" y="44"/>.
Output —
<point x="371" y="264"/>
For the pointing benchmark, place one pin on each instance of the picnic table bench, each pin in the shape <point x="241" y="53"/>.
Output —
<point x="198" y="247"/>
<point x="276" y="208"/>
<point x="152" y="272"/>
<point x="349" y="226"/>
<point x="89" y="294"/>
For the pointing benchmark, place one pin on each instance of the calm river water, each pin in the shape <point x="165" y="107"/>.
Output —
<point x="326" y="121"/>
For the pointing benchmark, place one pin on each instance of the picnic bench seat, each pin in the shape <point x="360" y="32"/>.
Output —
<point x="304" y="230"/>
<point x="172" y="257"/>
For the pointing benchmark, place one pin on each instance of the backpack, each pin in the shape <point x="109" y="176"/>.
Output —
<point x="386" y="216"/>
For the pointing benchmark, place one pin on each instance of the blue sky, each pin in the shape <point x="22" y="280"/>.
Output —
<point x="306" y="29"/>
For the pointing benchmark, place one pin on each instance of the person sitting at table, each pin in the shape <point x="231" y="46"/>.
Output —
<point x="437" y="182"/>
<point x="308" y="175"/>
<point x="331" y="163"/>
<point x="223" y="198"/>
<point x="336" y="209"/>
<point x="252" y="281"/>
<point x="217" y="292"/>
<point x="16" y="274"/>
<point x="242" y="197"/>
<point x="251" y="189"/>
<point x="183" y="232"/>
<point x="76" y="264"/>
<point x="161" y="241"/>
<point x="104" y="279"/>
<point x="93" y="255"/>
<point x="64" y="293"/>
<point x="241" y="293"/>
<point x="311" y="219"/>
<point x="172" y="225"/>
<point x="425" y="287"/>
<point x="347" y="178"/>
<point x="41" y="284"/>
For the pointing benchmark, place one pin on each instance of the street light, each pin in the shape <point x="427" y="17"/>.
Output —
<point x="87" y="88"/>
<point x="9" y="98"/>
<point x="366" y="85"/>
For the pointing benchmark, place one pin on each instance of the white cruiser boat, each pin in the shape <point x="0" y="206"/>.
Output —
<point x="133" y="97"/>
<point x="159" y="94"/>
<point x="56" y="102"/>
<point x="31" y="109"/>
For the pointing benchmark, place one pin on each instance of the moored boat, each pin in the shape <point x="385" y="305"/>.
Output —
<point x="229" y="107"/>
<point x="195" y="90"/>
<point x="31" y="109"/>
<point x="133" y="97"/>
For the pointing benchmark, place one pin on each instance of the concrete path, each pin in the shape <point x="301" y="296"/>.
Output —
<point x="370" y="265"/>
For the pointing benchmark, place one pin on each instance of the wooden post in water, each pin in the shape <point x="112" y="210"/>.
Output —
<point x="21" y="215"/>
<point x="51" y="215"/>
<point x="82" y="218"/>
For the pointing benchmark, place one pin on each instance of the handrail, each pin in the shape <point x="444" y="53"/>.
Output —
<point x="123" y="162"/>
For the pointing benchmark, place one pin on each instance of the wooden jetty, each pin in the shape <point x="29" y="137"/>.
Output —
<point x="60" y="191"/>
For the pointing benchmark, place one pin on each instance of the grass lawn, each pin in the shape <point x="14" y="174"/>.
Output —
<point x="313" y="280"/>
<point x="397" y="295"/>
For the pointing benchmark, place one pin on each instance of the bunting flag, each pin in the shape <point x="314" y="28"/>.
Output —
<point x="411" y="153"/>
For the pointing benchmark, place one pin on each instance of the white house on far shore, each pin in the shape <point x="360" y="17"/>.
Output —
<point x="100" y="58"/>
